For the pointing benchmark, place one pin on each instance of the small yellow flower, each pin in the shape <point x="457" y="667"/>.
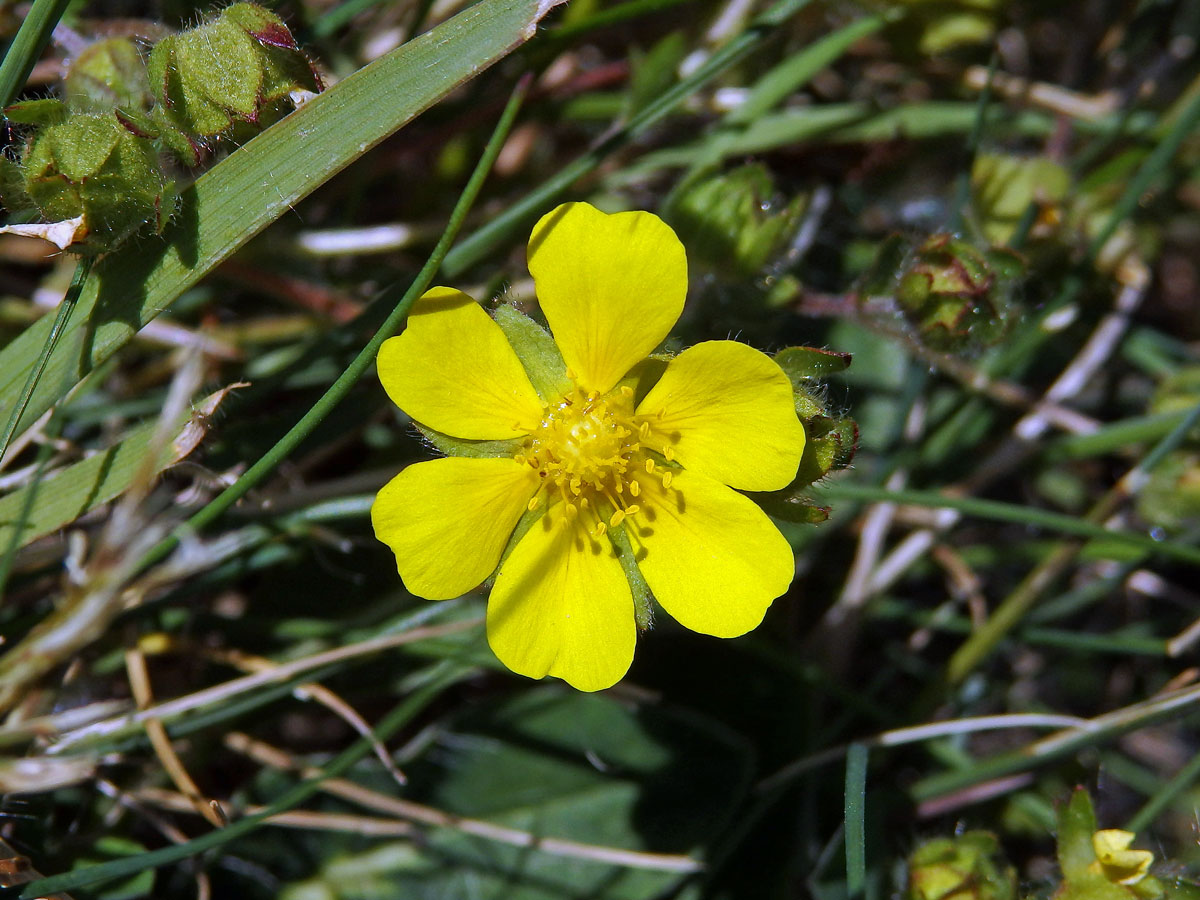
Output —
<point x="611" y="452"/>
<point x="1119" y="864"/>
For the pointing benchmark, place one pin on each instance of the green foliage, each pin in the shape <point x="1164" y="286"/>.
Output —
<point x="997" y="600"/>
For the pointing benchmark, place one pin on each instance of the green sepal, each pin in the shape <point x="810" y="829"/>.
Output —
<point x="108" y="74"/>
<point x="452" y="446"/>
<point x="81" y="146"/>
<point x="800" y="363"/>
<point x="137" y="123"/>
<point x="792" y="508"/>
<point x="830" y="444"/>
<point x="175" y="139"/>
<point x="90" y="165"/>
<point x="13" y="195"/>
<point x="261" y="24"/>
<point x="219" y="62"/>
<point x="643" y="598"/>
<point x="285" y="67"/>
<point x="47" y="111"/>
<point x="644" y="375"/>
<point x="1076" y="825"/>
<point x="536" y="350"/>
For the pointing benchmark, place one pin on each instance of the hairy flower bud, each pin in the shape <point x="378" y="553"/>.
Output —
<point x="956" y="295"/>
<point x="106" y="75"/>
<point x="225" y="71"/>
<point x="732" y="220"/>
<point x="89" y="165"/>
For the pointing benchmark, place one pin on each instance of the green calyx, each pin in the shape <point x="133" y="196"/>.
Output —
<point x="226" y="71"/>
<point x="89" y="165"/>
<point x="831" y="438"/>
<point x="956" y="295"/>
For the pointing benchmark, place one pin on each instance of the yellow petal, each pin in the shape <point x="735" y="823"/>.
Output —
<point x="448" y="520"/>
<point x="726" y="410"/>
<point x="712" y="558"/>
<point x="1120" y="864"/>
<point x="561" y="606"/>
<point x="611" y="287"/>
<point x="454" y="371"/>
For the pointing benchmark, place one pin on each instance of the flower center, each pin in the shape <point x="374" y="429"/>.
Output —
<point x="588" y="450"/>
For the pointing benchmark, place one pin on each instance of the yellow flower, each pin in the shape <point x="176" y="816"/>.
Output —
<point x="605" y="458"/>
<point x="1119" y="864"/>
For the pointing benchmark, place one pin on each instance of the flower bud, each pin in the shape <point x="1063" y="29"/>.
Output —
<point x="225" y="71"/>
<point x="956" y="295"/>
<point x="90" y="166"/>
<point x="966" y="867"/>
<point x="732" y="220"/>
<point x="106" y="75"/>
<point x="830" y="439"/>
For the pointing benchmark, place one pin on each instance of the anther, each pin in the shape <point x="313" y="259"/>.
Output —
<point x="649" y="467"/>
<point x="534" y="503"/>
<point x="667" y="478"/>
<point x="617" y="518"/>
<point x="600" y="530"/>
<point x="632" y="510"/>
<point x="626" y="391"/>
<point x="669" y="453"/>
<point x="634" y="488"/>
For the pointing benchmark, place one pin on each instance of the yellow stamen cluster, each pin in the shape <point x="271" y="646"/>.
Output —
<point x="589" y="451"/>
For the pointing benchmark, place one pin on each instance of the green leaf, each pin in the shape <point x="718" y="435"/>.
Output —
<point x="577" y="767"/>
<point x="257" y="184"/>
<point x="43" y="507"/>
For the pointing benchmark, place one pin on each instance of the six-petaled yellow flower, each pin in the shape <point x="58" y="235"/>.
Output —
<point x="624" y="451"/>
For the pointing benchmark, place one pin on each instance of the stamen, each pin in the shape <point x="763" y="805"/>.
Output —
<point x="632" y="510"/>
<point x="534" y="502"/>
<point x="617" y="518"/>
<point x="649" y="467"/>
<point x="669" y="453"/>
<point x="667" y="478"/>
<point x="634" y="488"/>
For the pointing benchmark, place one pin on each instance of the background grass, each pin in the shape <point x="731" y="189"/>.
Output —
<point x="1001" y="606"/>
